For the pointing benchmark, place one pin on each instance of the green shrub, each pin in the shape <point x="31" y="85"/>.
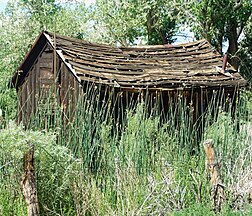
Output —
<point x="52" y="164"/>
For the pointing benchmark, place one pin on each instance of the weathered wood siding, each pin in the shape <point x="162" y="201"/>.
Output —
<point x="38" y="91"/>
<point x="36" y="87"/>
<point x="69" y="92"/>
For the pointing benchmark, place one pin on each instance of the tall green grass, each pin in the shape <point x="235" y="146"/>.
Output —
<point x="103" y="158"/>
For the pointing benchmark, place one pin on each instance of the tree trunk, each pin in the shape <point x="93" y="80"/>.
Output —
<point x="233" y="46"/>
<point x="149" y="24"/>
<point x="28" y="183"/>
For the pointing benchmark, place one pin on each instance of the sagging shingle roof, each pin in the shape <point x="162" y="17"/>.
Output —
<point x="188" y="65"/>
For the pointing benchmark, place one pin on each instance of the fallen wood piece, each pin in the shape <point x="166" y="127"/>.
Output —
<point x="28" y="183"/>
<point x="217" y="190"/>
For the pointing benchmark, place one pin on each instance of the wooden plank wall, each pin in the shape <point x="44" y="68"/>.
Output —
<point x="70" y="92"/>
<point x="36" y="88"/>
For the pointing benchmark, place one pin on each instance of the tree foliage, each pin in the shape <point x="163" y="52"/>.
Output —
<point x="42" y="11"/>
<point x="128" y="21"/>
<point x="219" y="21"/>
<point x="160" y="22"/>
<point x="245" y="52"/>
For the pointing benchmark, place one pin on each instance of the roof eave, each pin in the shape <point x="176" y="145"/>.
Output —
<point x="29" y="60"/>
<point x="61" y="56"/>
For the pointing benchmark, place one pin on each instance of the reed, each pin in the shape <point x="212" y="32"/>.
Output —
<point x="106" y="158"/>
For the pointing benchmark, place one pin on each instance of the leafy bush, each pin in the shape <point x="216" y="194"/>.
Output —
<point x="52" y="164"/>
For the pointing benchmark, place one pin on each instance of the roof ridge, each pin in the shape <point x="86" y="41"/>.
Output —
<point x="74" y="39"/>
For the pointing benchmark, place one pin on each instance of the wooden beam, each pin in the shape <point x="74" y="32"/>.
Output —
<point x="217" y="190"/>
<point x="28" y="183"/>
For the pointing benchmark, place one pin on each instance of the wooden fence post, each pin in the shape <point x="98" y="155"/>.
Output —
<point x="217" y="190"/>
<point x="28" y="183"/>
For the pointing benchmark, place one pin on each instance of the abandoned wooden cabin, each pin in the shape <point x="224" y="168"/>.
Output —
<point x="192" y="70"/>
